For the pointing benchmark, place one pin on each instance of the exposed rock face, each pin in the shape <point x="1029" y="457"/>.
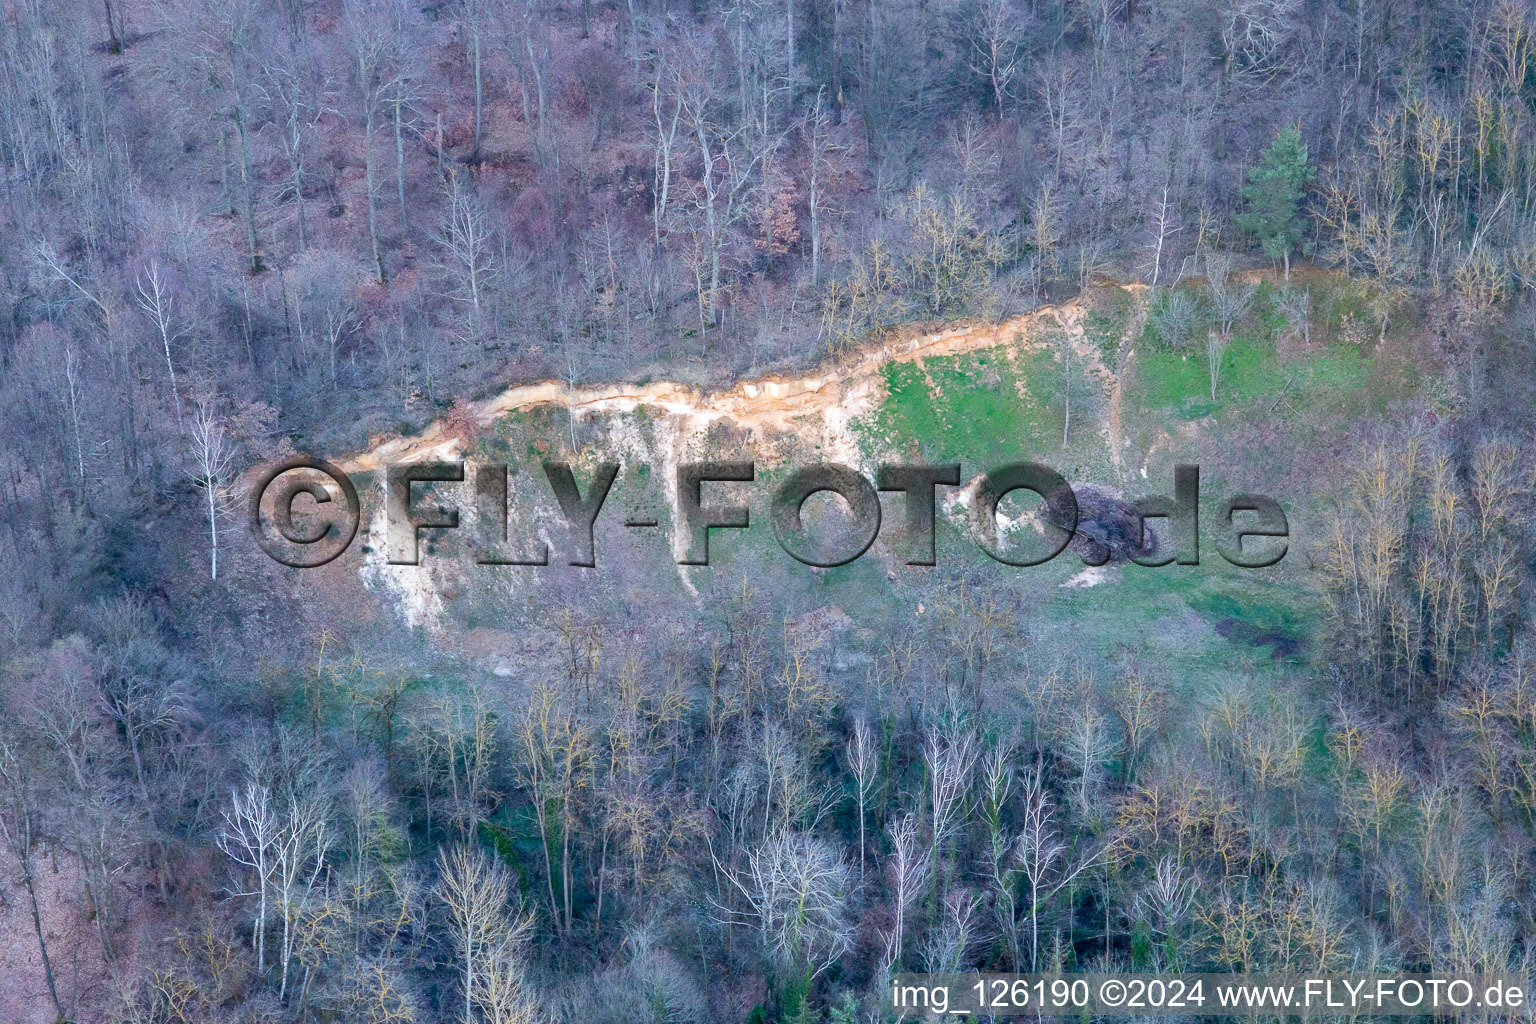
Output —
<point x="824" y="416"/>
<point x="823" y="401"/>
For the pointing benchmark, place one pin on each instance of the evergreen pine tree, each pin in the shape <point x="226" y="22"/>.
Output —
<point x="1273" y="195"/>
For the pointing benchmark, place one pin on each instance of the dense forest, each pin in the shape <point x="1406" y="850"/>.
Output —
<point x="232" y="230"/>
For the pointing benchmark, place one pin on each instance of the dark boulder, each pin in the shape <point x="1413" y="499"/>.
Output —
<point x="1109" y="529"/>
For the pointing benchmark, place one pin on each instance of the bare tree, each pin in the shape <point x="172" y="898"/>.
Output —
<point x="505" y="995"/>
<point x="299" y="857"/>
<point x="863" y="763"/>
<point x="797" y="889"/>
<point x="820" y="152"/>
<point x="1071" y="382"/>
<point x="219" y="45"/>
<point x="1252" y="37"/>
<point x="997" y="52"/>
<point x="297" y="120"/>
<point x="666" y="118"/>
<point x="908" y="870"/>
<point x="1140" y="703"/>
<point x="1088" y="743"/>
<point x="1230" y="302"/>
<point x="1164" y="227"/>
<point x="105" y="305"/>
<point x="68" y="720"/>
<point x="957" y="930"/>
<point x="136" y="692"/>
<point x="372" y="34"/>
<point x="476" y="19"/>
<point x="139" y="691"/>
<point x="325" y="313"/>
<point x="998" y="776"/>
<point x="1175" y="314"/>
<point x="213" y="456"/>
<point x="1044" y="236"/>
<point x="73" y="392"/>
<point x="485" y="929"/>
<point x="1295" y="304"/>
<point x="1167" y="900"/>
<point x="554" y="767"/>
<point x="1042" y="857"/>
<point x="468" y="250"/>
<point x="460" y="736"/>
<point x="377" y="991"/>
<point x="1056" y="83"/>
<point x="158" y="303"/>
<point x="534" y="21"/>
<point x="250" y="836"/>
<point x="948" y="759"/>
<point x="105" y="837"/>
<point x="722" y="193"/>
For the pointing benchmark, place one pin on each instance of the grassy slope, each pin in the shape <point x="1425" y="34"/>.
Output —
<point x="985" y="411"/>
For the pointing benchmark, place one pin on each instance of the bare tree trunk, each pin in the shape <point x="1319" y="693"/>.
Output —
<point x="542" y="814"/>
<point x="405" y="217"/>
<point x="248" y="188"/>
<point x="1221" y="107"/>
<point x="70" y="367"/>
<point x="113" y="42"/>
<point x="837" y="45"/>
<point x="815" y="234"/>
<point x="602" y="883"/>
<point x="298" y="199"/>
<point x="37" y="926"/>
<point x="18" y="828"/>
<point x="370" y="175"/>
<point x="479" y="90"/>
<point x="213" y="543"/>
<point x="565" y="862"/>
<point x="789" y="42"/>
<point x="538" y="82"/>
